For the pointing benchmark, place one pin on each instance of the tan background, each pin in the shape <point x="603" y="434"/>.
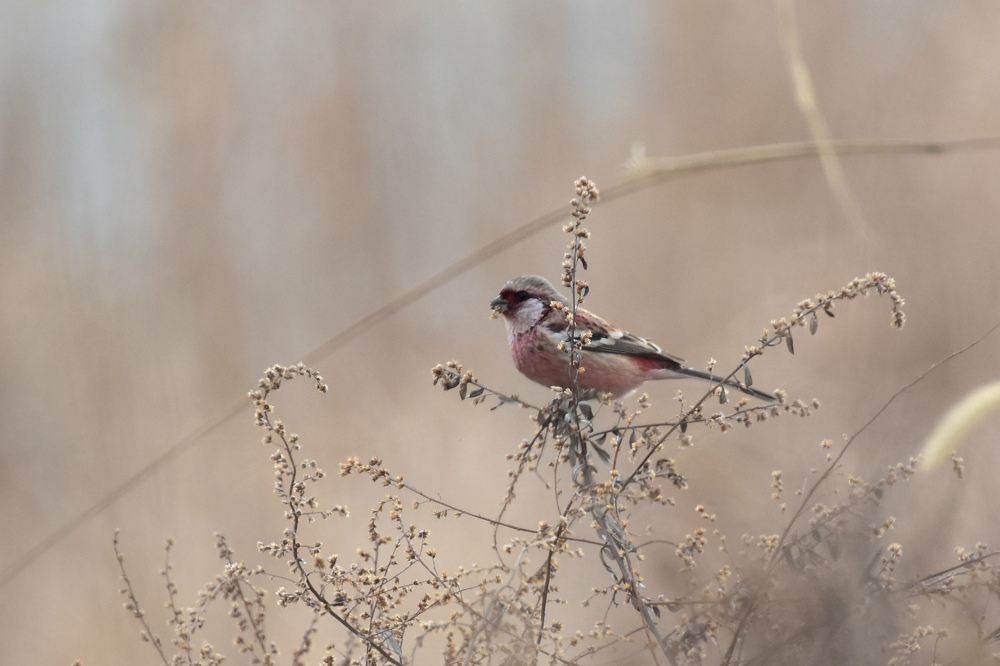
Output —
<point x="191" y="192"/>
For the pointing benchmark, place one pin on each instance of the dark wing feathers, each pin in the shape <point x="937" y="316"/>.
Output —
<point x="629" y="345"/>
<point x="606" y="339"/>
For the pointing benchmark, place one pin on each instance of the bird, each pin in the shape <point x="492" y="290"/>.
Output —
<point x="612" y="360"/>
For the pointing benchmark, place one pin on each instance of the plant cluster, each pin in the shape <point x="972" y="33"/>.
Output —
<point x="824" y="590"/>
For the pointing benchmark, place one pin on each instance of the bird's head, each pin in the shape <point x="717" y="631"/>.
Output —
<point x="524" y="301"/>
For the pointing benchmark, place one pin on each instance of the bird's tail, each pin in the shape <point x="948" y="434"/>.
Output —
<point x="715" y="379"/>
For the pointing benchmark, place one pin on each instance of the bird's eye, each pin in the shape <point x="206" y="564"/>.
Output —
<point x="521" y="296"/>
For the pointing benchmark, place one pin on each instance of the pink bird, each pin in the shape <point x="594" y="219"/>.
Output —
<point x="613" y="361"/>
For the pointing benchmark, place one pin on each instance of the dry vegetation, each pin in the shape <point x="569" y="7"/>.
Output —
<point x="824" y="590"/>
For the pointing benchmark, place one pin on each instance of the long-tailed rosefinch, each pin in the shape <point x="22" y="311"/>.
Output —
<point x="612" y="361"/>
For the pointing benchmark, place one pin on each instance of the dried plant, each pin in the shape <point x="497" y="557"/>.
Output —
<point x="823" y="591"/>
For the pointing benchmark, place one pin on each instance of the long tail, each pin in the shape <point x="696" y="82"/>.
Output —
<point x="715" y="379"/>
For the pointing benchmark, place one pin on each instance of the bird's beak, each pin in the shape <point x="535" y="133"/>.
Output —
<point x="499" y="306"/>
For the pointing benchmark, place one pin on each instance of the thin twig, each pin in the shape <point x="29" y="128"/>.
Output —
<point x="833" y="464"/>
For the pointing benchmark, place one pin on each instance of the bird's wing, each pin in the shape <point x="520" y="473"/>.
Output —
<point x="607" y="339"/>
<point x="623" y="342"/>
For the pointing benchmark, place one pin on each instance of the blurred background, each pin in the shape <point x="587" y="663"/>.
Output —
<point x="192" y="192"/>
